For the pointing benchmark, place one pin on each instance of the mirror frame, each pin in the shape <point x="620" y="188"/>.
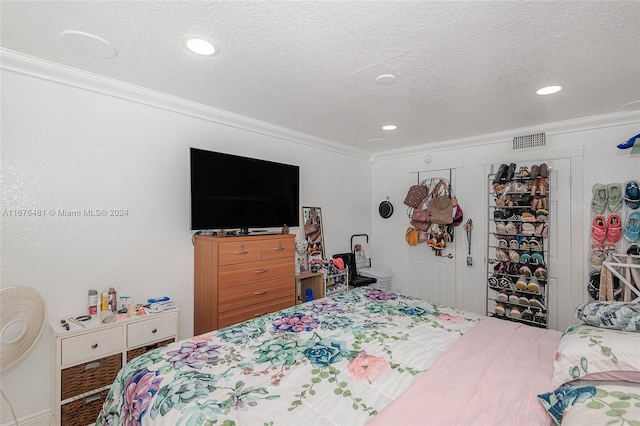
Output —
<point x="313" y="232"/>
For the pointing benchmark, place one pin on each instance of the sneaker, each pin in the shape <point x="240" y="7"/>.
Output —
<point x="599" y="200"/>
<point x="540" y="317"/>
<point x="614" y="197"/>
<point x="614" y="228"/>
<point x="527" y="315"/>
<point x="500" y="309"/>
<point x="599" y="229"/>
<point x="521" y="284"/>
<point x="596" y="257"/>
<point x="632" y="227"/>
<point x="533" y="286"/>
<point x="594" y="284"/>
<point x="537" y="303"/>
<point x="515" y="312"/>
<point x="632" y="194"/>
<point x="523" y="301"/>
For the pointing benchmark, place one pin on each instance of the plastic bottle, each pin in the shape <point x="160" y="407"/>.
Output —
<point x="104" y="301"/>
<point x="309" y="295"/>
<point x="93" y="302"/>
<point x="113" y="300"/>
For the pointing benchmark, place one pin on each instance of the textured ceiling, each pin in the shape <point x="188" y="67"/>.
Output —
<point x="462" y="68"/>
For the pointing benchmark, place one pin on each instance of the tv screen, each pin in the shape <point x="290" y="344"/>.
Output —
<point x="229" y="191"/>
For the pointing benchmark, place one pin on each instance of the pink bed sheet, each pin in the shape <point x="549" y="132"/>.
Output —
<point x="490" y="376"/>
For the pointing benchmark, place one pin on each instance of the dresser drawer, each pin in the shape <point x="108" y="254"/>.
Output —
<point x="83" y="411"/>
<point x="239" y="252"/>
<point x="251" y="294"/>
<point x="277" y="249"/>
<point x="91" y="375"/>
<point x="91" y="346"/>
<point x="249" y="312"/>
<point x="151" y="330"/>
<point x="233" y="275"/>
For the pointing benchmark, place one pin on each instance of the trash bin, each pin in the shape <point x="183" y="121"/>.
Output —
<point x="381" y="274"/>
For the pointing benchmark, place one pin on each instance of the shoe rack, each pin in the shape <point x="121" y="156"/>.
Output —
<point x="518" y="247"/>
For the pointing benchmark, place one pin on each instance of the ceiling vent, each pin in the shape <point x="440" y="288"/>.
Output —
<point x="529" y="141"/>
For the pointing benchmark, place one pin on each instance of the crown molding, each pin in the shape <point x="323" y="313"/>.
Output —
<point x="30" y="66"/>
<point x="555" y="128"/>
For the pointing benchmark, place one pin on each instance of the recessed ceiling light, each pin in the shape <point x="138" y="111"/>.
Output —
<point x="199" y="45"/>
<point x="389" y="127"/>
<point x="549" y="90"/>
<point x="385" y="79"/>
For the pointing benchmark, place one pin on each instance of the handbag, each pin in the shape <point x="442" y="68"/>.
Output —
<point x="458" y="216"/>
<point x="421" y="226"/>
<point x="440" y="208"/>
<point x="411" y="236"/>
<point x="415" y="195"/>
<point x="420" y="215"/>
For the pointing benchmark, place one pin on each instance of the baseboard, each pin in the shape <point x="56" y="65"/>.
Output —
<point x="41" y="418"/>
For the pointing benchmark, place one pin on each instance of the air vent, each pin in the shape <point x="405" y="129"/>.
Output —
<point x="529" y="141"/>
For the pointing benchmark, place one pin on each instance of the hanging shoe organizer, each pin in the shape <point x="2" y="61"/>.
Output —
<point x="517" y="249"/>
<point x="614" y="237"/>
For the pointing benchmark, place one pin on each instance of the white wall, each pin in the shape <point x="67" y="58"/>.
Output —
<point x="69" y="148"/>
<point x="591" y="143"/>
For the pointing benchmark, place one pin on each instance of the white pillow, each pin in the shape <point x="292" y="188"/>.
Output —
<point x="587" y="352"/>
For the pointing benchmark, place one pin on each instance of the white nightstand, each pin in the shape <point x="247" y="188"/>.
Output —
<point x="87" y="360"/>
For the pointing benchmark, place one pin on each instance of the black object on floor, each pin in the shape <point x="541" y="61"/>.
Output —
<point x="355" y="280"/>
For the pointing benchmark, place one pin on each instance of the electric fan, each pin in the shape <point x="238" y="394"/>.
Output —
<point x="21" y="322"/>
<point x="22" y="318"/>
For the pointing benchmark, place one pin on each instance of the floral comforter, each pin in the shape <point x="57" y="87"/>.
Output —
<point x="333" y="361"/>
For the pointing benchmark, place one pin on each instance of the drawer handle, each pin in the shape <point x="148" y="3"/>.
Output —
<point x="240" y="252"/>
<point x="260" y="271"/>
<point x="155" y="330"/>
<point x="259" y="315"/>
<point x="92" y="398"/>
<point x="278" y="248"/>
<point x="95" y="345"/>
<point x="261" y="292"/>
<point x="91" y="365"/>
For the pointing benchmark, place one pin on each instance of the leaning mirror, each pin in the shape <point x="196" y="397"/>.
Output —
<point x="312" y="217"/>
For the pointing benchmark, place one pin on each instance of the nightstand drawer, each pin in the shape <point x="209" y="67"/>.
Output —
<point x="251" y="294"/>
<point x="86" y="347"/>
<point x="234" y="275"/>
<point x="131" y="354"/>
<point x="239" y="252"/>
<point x="253" y="311"/>
<point x="89" y="376"/>
<point x="152" y="330"/>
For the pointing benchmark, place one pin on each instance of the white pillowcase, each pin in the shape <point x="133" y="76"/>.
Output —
<point x="587" y="352"/>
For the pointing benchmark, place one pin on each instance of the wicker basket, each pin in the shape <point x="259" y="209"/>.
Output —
<point x="90" y="375"/>
<point x="143" y="349"/>
<point x="83" y="411"/>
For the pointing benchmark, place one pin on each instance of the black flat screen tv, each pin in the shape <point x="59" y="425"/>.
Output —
<point x="233" y="192"/>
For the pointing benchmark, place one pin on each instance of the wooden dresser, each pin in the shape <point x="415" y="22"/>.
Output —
<point x="239" y="278"/>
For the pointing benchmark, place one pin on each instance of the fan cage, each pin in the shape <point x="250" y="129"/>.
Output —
<point x="22" y="320"/>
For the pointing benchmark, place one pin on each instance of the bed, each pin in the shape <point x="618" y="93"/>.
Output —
<point x="371" y="356"/>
